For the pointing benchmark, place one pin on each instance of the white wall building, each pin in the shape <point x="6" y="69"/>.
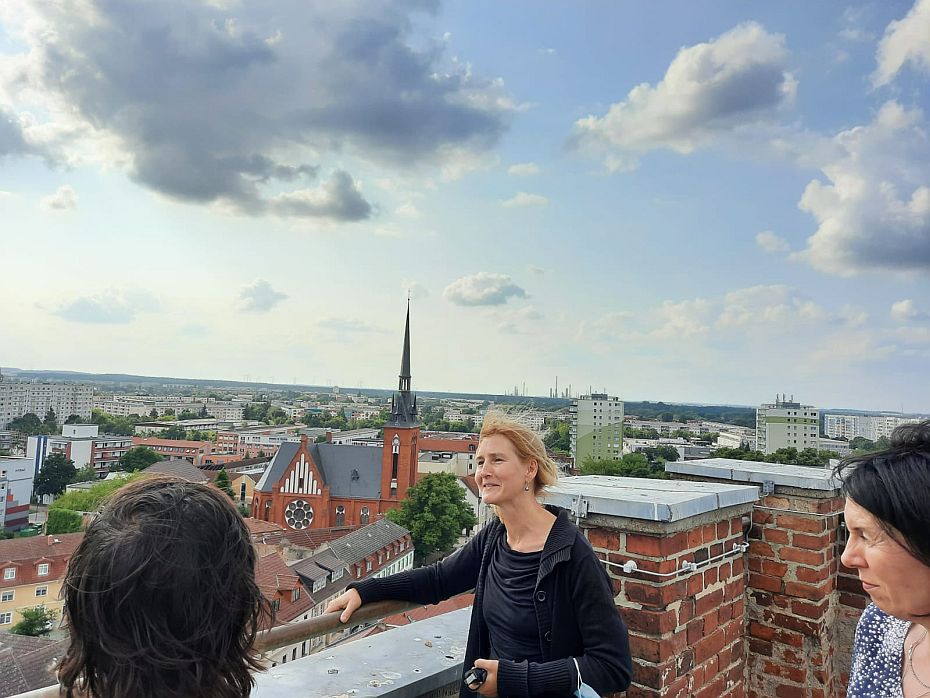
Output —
<point x="787" y="424"/>
<point x="18" y="399"/>
<point x="16" y="476"/>
<point x="869" y="426"/>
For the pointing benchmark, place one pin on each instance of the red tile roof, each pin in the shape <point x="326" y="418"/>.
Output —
<point x="277" y="582"/>
<point x="25" y="553"/>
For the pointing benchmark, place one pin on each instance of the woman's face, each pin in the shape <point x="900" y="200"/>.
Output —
<point x="501" y="475"/>
<point x="898" y="583"/>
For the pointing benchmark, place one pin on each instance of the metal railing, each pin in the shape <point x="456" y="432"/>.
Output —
<point x="284" y="635"/>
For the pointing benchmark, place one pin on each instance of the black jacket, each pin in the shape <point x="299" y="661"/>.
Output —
<point x="574" y="608"/>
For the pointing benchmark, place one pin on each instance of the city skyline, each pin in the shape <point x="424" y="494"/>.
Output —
<point x="696" y="204"/>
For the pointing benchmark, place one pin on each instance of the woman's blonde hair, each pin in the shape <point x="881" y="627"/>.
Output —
<point x="527" y="445"/>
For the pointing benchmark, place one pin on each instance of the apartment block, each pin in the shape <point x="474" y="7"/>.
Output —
<point x="18" y="399"/>
<point x="31" y="572"/>
<point x="81" y="443"/>
<point x="787" y="424"/>
<point x="16" y="477"/>
<point x="597" y="427"/>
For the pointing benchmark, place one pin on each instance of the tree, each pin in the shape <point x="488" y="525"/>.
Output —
<point x="435" y="512"/>
<point x="73" y="419"/>
<point x="57" y="473"/>
<point x="631" y="465"/>
<point x="559" y="438"/>
<point x="222" y="483"/>
<point x="135" y="459"/>
<point x="63" y="521"/>
<point x="28" y="424"/>
<point x="154" y="413"/>
<point x="90" y="499"/>
<point x="85" y="474"/>
<point x="35" y="622"/>
<point x="51" y="421"/>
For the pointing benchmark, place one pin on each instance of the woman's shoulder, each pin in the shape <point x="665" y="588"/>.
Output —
<point x="877" y="626"/>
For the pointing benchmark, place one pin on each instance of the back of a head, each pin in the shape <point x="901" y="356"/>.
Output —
<point x="161" y="597"/>
<point x="893" y="485"/>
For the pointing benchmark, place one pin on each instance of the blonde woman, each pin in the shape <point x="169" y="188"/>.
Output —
<point x="544" y="618"/>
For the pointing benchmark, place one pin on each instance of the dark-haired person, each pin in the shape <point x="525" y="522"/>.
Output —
<point x="160" y="597"/>
<point x="888" y="519"/>
<point x="544" y="618"/>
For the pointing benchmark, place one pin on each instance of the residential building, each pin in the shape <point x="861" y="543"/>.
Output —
<point x="787" y="424"/>
<point x="243" y="483"/>
<point x="180" y="468"/>
<point x="354" y="437"/>
<point x="321" y="485"/>
<point x="869" y="426"/>
<point x="207" y="424"/>
<point x="16" y="479"/>
<point x="65" y="399"/>
<point x="197" y="452"/>
<point x="255" y="442"/>
<point x="289" y="599"/>
<point x="838" y="446"/>
<point x="31" y="572"/>
<point x="447" y="452"/>
<point x="597" y="427"/>
<point x="6" y="441"/>
<point x="82" y="444"/>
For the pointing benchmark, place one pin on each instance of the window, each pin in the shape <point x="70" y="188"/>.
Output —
<point x="43" y="569"/>
<point x="276" y="605"/>
<point x="9" y="573"/>
<point x="42" y="591"/>
<point x="296" y="594"/>
<point x="6" y="618"/>
<point x="368" y="565"/>
<point x="7" y="595"/>
<point x="341" y="516"/>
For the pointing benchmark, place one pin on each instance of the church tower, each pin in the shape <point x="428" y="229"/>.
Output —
<point x="401" y="433"/>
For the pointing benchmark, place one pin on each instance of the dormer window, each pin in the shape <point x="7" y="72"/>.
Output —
<point x="42" y="571"/>
<point x="9" y="573"/>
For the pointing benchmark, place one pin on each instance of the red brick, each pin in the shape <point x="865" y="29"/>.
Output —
<point x="737" y="566"/>
<point x="812" y="575"/>
<point x="604" y="538"/>
<point x="655" y="596"/>
<point x="708" y="602"/>
<point x="695" y="630"/>
<point x="736" y="526"/>
<point x="787" y="691"/>
<point x="792" y="673"/>
<point x="725" y="613"/>
<point x="763" y="632"/>
<point x="806" y="591"/>
<point x="805" y="557"/>
<point x="775" y="535"/>
<point x="787" y="622"/>
<point x="723" y="530"/>
<point x="760" y="647"/>
<point x="710" y="576"/>
<point x="647" y="621"/>
<point x="762" y="581"/>
<point x="711" y="620"/>
<point x="656" y="546"/>
<point x="815" y="611"/>
<point x="709" y="645"/>
<point x="809" y="542"/>
<point x="710" y="533"/>
<point x="695" y="538"/>
<point x="695" y="584"/>
<point x="805" y="524"/>
<point x="760" y="549"/>
<point x="774" y="569"/>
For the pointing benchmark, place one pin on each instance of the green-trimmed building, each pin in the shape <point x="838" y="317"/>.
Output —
<point x="787" y="424"/>
<point x="597" y="427"/>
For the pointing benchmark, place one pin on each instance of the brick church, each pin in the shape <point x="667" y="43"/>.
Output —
<point x="322" y="485"/>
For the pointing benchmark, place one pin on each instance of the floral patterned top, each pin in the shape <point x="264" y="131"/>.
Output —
<point x="878" y="654"/>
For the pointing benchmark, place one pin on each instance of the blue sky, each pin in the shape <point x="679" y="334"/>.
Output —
<point x="682" y="201"/>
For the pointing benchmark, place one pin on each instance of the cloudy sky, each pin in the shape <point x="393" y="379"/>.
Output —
<point x="667" y="200"/>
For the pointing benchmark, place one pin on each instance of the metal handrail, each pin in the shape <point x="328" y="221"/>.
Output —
<point x="283" y="635"/>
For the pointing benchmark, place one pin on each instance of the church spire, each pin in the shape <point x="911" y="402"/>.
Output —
<point x="404" y="402"/>
<point x="404" y="382"/>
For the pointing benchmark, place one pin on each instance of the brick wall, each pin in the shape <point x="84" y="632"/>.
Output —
<point x="687" y="628"/>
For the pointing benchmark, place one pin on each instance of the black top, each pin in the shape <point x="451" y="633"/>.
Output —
<point x="509" y="611"/>
<point x="574" y="604"/>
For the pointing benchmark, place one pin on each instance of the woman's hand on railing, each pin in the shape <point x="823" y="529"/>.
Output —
<point x="347" y="603"/>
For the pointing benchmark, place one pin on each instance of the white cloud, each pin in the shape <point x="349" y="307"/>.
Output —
<point x="852" y="316"/>
<point x="873" y="213"/>
<point x="414" y="289"/>
<point x="683" y="319"/>
<point x="525" y="199"/>
<point x="523" y="169"/>
<point x="408" y="210"/>
<point x="907" y="311"/>
<point x="111" y="307"/>
<point x="483" y="288"/>
<point x="259" y="297"/>
<point x="738" y="79"/>
<point x="65" y="199"/>
<point x="519" y="321"/>
<point x="905" y="41"/>
<point x="771" y="306"/>
<point x="770" y="242"/>
<point x="340" y="198"/>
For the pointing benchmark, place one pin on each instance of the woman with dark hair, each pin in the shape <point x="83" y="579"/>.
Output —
<point x="161" y="599"/>
<point x="544" y="621"/>
<point x="888" y="518"/>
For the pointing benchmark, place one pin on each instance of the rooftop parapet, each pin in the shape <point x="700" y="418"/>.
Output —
<point x="798" y="476"/>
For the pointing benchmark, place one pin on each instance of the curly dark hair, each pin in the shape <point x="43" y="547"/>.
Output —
<point x="894" y="486"/>
<point x="160" y="597"/>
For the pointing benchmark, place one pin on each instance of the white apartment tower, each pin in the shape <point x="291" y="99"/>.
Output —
<point x="787" y="424"/>
<point x="18" y="399"/>
<point x="597" y="427"/>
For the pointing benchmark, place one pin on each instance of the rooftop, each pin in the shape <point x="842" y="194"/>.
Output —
<point x="753" y="471"/>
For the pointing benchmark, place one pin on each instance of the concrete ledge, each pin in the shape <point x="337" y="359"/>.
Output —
<point x="648" y="500"/>
<point x="414" y="660"/>
<point x="798" y="476"/>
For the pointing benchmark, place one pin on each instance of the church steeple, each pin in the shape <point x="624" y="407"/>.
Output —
<point x="404" y="402"/>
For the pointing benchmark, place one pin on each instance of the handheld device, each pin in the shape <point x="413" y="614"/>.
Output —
<point x="475" y="677"/>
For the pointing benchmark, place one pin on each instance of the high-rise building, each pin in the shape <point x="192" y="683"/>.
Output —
<point x="787" y="424"/>
<point x="18" y="399"/>
<point x="597" y="427"/>
<point x="870" y="426"/>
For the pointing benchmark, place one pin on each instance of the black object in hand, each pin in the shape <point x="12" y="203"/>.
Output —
<point x="475" y="676"/>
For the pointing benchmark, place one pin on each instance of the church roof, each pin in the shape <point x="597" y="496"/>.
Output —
<point x="350" y="471"/>
<point x="278" y="465"/>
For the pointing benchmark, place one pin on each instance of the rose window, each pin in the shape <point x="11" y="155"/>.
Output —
<point x="298" y="514"/>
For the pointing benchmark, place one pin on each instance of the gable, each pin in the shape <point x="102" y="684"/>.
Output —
<point x="301" y="477"/>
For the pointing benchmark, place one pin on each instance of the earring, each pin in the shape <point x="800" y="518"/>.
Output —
<point x="526" y="486"/>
